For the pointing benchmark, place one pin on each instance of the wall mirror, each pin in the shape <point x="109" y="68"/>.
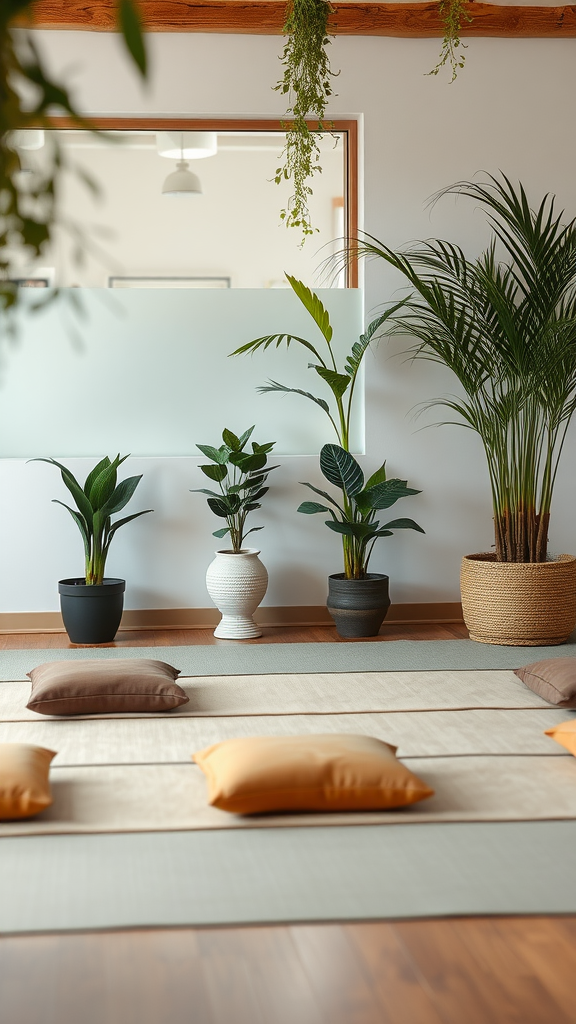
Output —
<point x="191" y="204"/>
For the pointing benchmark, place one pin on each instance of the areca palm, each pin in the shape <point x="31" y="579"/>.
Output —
<point x="505" y="324"/>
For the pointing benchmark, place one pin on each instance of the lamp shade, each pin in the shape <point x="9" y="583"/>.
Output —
<point x="187" y="145"/>
<point x="182" y="182"/>
<point x="26" y="138"/>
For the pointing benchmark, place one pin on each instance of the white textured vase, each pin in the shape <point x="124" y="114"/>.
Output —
<point x="236" y="584"/>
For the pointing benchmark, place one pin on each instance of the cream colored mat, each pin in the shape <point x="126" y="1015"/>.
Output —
<point x="323" y="693"/>
<point x="173" y="797"/>
<point x="169" y="740"/>
<point x="475" y="736"/>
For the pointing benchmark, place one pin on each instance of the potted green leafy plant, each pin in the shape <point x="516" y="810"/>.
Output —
<point x="236" y="580"/>
<point x="357" y="599"/>
<point x="92" y="604"/>
<point x="506" y="327"/>
<point x="365" y="592"/>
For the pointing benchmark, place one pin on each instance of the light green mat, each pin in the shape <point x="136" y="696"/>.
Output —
<point x="53" y="883"/>
<point x="265" y="658"/>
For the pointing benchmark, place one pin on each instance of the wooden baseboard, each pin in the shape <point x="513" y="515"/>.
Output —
<point x="206" y="618"/>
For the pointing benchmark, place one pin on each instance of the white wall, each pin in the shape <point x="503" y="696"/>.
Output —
<point x="511" y="109"/>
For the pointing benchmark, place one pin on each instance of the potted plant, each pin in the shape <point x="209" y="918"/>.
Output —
<point x="356" y="523"/>
<point x="92" y="604"/>
<point x="236" y="580"/>
<point x="506" y="327"/>
<point x="357" y="600"/>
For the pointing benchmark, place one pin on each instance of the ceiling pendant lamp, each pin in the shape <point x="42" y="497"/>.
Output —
<point x="182" y="182"/>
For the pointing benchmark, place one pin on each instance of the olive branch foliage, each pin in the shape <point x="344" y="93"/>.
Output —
<point x="29" y="96"/>
<point x="307" y="82"/>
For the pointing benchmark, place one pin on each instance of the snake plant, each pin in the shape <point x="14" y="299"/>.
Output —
<point x="97" y="501"/>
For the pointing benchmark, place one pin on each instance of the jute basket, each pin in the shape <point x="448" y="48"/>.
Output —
<point x="523" y="604"/>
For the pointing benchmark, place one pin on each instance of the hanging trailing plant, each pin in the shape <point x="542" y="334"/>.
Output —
<point x="454" y="14"/>
<point x="307" y="83"/>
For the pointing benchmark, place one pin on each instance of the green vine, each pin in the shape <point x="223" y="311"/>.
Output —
<point x="453" y="13"/>
<point x="306" y="81"/>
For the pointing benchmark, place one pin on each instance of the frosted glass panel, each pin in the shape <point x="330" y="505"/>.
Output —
<point x="150" y="373"/>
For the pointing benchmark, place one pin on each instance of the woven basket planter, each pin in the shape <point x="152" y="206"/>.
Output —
<point x="521" y="604"/>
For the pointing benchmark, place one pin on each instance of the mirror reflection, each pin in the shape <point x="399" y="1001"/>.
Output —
<point x="182" y="210"/>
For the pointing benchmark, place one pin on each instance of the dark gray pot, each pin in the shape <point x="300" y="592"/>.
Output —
<point x="91" y="613"/>
<point x="358" y="607"/>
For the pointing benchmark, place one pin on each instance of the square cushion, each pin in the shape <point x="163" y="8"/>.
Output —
<point x="24" y="786"/>
<point x="554" y="679"/>
<point x="96" y="687"/>
<point x="565" y="735"/>
<point x="307" y="773"/>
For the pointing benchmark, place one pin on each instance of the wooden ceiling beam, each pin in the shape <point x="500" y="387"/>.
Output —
<point x="266" y="17"/>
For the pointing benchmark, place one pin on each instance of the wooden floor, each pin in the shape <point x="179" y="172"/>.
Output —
<point x="440" y="971"/>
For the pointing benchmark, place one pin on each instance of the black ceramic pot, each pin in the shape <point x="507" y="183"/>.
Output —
<point x="358" y="607"/>
<point x="91" y="613"/>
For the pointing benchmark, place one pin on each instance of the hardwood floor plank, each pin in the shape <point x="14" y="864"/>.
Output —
<point x="548" y="946"/>
<point x="280" y="983"/>
<point x="337" y="974"/>
<point x="394" y="976"/>
<point x="475" y="976"/>
<point x="271" y="635"/>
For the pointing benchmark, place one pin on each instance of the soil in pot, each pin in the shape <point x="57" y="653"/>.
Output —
<point x="358" y="607"/>
<point x="92" y="613"/>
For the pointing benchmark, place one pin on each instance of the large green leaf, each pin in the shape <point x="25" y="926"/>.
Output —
<point x="104" y="485"/>
<point x="256" y="494"/>
<point x="248" y="463"/>
<point x="231" y="440"/>
<point x="383" y="495"/>
<point x="323" y="494"/>
<point x="270" y="339"/>
<point x="82" y="502"/>
<point x="361" y="531"/>
<point x="121" y="495"/>
<point x="314" y="306"/>
<point x="204" y="490"/>
<point x="358" y="351"/>
<point x="341" y="469"/>
<point x="310" y="508"/>
<point x="378" y="477"/>
<point x="246" y="436"/>
<point x="338" y="382"/>
<point x="122" y="522"/>
<point x="105" y="462"/>
<point x="80" y="523"/>
<point x="403" y="524"/>
<point x="217" y="472"/>
<point x="131" y="28"/>
<point x="218" y="455"/>
<point x="225" y="506"/>
<point x="273" y="385"/>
